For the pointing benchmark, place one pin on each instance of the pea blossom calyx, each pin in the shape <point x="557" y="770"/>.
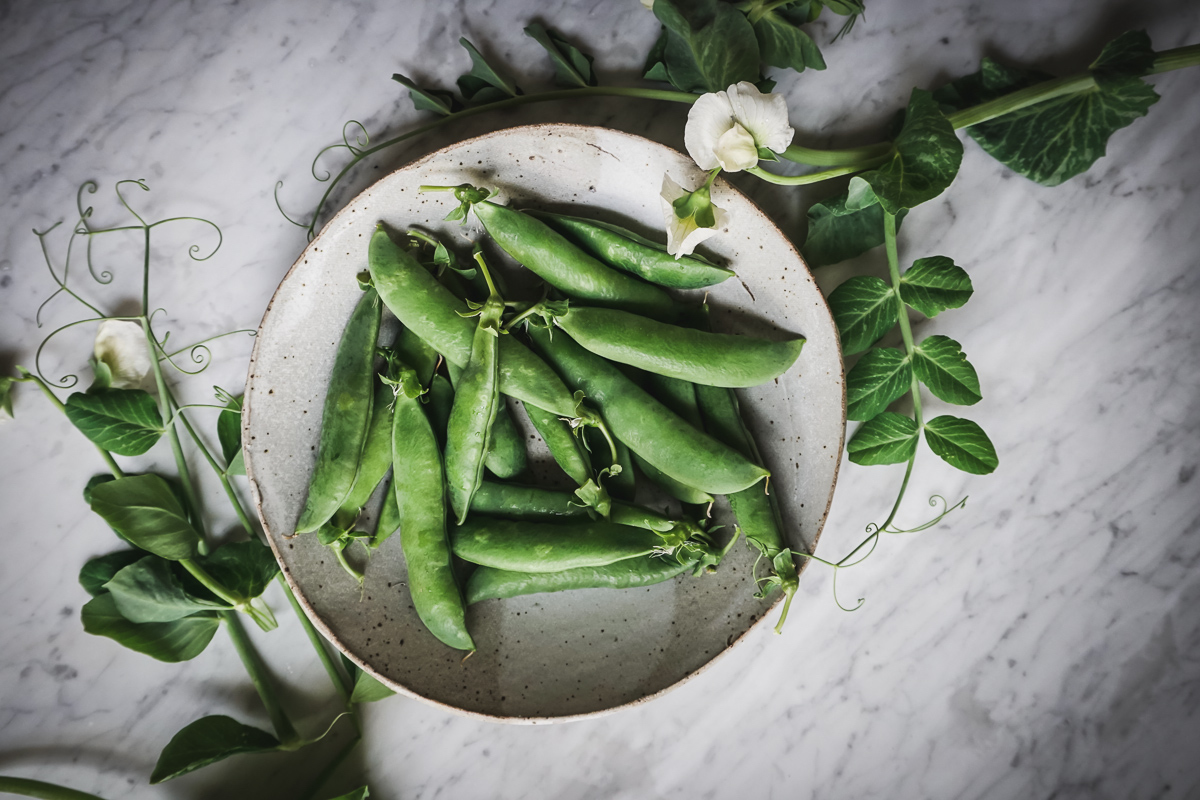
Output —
<point x="731" y="129"/>
<point x="691" y="217"/>
<point x="121" y="348"/>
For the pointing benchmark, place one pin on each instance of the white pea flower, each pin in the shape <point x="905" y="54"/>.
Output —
<point x="121" y="346"/>
<point x="691" y="217"/>
<point x="727" y="129"/>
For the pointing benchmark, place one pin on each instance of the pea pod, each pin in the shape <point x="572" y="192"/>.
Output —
<point x="346" y="416"/>
<point x="514" y="501"/>
<point x="389" y="519"/>
<point x="680" y="491"/>
<point x="433" y="313"/>
<point x="557" y="261"/>
<point x="376" y="458"/>
<point x="439" y="400"/>
<point x="417" y="353"/>
<point x="677" y="395"/>
<point x="476" y="403"/>
<point x="420" y="489"/>
<point x="523" y="546"/>
<point x="649" y="428"/>
<point x="632" y="253"/>
<point x="487" y="583"/>
<point x="506" y="457"/>
<point x="563" y="444"/>
<point x="713" y="359"/>
<point x="623" y="483"/>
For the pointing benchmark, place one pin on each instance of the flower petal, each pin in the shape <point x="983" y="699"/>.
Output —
<point x="735" y="150"/>
<point x="765" y="116"/>
<point x="121" y="344"/>
<point x="709" y="118"/>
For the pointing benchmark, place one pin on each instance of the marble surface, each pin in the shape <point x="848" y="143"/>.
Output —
<point x="1043" y="642"/>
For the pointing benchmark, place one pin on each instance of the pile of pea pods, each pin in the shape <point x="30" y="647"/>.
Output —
<point x="617" y="377"/>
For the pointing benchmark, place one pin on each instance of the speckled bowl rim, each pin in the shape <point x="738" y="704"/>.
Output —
<point x="546" y="127"/>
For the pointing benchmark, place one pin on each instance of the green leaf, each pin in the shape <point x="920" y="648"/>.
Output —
<point x="926" y="156"/>
<point x="483" y="84"/>
<point x="144" y="510"/>
<point x="1056" y="139"/>
<point x="572" y="66"/>
<point x="207" y="741"/>
<point x="712" y="45"/>
<point x="435" y="100"/>
<point x="889" y="438"/>
<point x="864" y="309"/>
<point x="229" y="432"/>
<point x="244" y="568"/>
<point x="125" y="421"/>
<point x="782" y="43"/>
<point x="655" y="68"/>
<point x="101" y="569"/>
<point x="361" y="793"/>
<point x="837" y="231"/>
<point x="181" y="640"/>
<point x="92" y="483"/>
<point x="939" y="363"/>
<point x="879" y="378"/>
<point x="1130" y="55"/>
<point x="6" y="397"/>
<point x="962" y="444"/>
<point x="149" y="591"/>
<point x="368" y="689"/>
<point x="935" y="284"/>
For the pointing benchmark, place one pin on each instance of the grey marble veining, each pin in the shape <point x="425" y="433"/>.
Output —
<point x="1045" y="641"/>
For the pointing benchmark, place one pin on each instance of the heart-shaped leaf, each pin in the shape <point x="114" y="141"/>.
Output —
<point x="246" y="568"/>
<point x="864" y="309"/>
<point x="961" y="444"/>
<point x="102" y="569"/>
<point x="572" y="66"/>
<point x="879" y="378"/>
<point x="368" y="689"/>
<point x="150" y="591"/>
<point x="889" y="438"/>
<point x="940" y="364"/>
<point x="935" y="284"/>
<point x="207" y="741"/>
<point x="144" y="510"/>
<point x="124" y="421"/>
<point x="180" y="640"/>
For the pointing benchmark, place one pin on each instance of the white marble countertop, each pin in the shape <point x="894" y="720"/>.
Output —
<point x="1043" y="642"/>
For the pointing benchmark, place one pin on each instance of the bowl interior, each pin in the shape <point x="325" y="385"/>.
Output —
<point x="542" y="657"/>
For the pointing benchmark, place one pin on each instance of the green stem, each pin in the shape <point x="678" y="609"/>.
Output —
<point x="1176" y="58"/>
<point x="340" y="681"/>
<point x="836" y="158"/>
<point x="261" y="679"/>
<point x="330" y="768"/>
<point x="221" y="473"/>
<point x="48" y="791"/>
<point x="259" y="612"/>
<point x="107" y="456"/>
<point x="889" y="233"/>
<point x="817" y="177"/>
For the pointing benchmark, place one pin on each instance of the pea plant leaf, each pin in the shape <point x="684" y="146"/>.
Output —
<point x="783" y="44"/>
<point x="1059" y="138"/>
<point x="6" y="397"/>
<point x="100" y="570"/>
<point x="1130" y="55"/>
<point x="935" y="284"/>
<point x="864" y="309"/>
<point x="837" y="231"/>
<point x="246" y="568"/>
<point x="229" y="433"/>
<point x="940" y="364"/>
<point x="124" y="421"/>
<point x="149" y="591"/>
<point x="181" y="640"/>
<point x="438" y="101"/>
<point x="207" y="741"/>
<point x="368" y="689"/>
<point x="889" y="438"/>
<point x="707" y="46"/>
<point x="572" y="66"/>
<point x="145" y="511"/>
<point x="926" y="156"/>
<point x="851" y="9"/>
<point x="483" y="84"/>
<point x="961" y="444"/>
<point x="879" y="378"/>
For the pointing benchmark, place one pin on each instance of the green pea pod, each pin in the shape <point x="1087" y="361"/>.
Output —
<point x="638" y="517"/>
<point x="564" y="445"/>
<point x="623" y="483"/>
<point x="389" y="519"/>
<point x="376" y="458"/>
<point x="506" y="456"/>
<point x="680" y="491"/>
<point x="629" y="252"/>
<point x="420" y="489"/>
<point x="433" y="313"/>
<point x="440" y="399"/>
<point x="567" y="268"/>
<point x="713" y="359"/>
<point x="649" y="428"/>
<point x="346" y="416"/>
<point x="476" y="403"/>
<point x="513" y="501"/>
<point x="757" y="513"/>
<point x="487" y="583"/>
<point x="524" y="546"/>
<point x="417" y="353"/>
<point x="675" y="394"/>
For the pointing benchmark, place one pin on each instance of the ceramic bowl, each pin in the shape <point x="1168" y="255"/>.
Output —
<point x="572" y="654"/>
